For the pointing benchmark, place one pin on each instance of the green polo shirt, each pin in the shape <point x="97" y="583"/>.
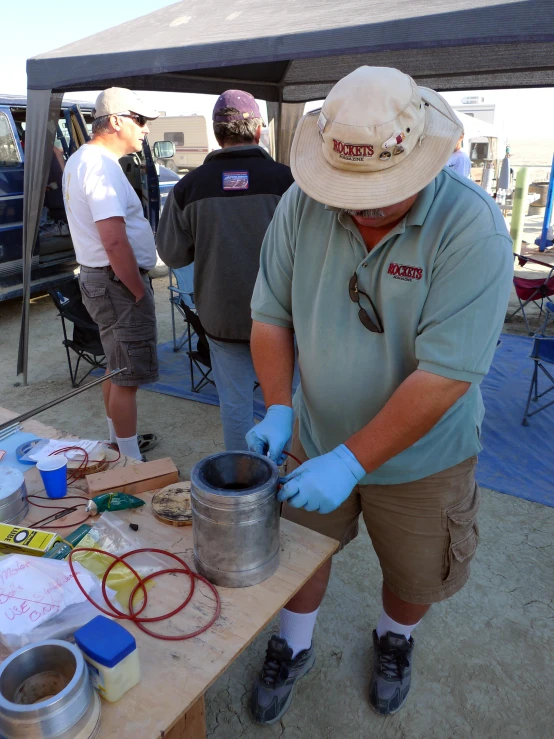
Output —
<point x="440" y="281"/>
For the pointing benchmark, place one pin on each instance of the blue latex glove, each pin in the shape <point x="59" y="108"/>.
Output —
<point x="322" y="483"/>
<point x="273" y="433"/>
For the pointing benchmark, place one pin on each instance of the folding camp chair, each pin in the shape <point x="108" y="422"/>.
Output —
<point x="541" y="353"/>
<point x="181" y="293"/>
<point x="533" y="290"/>
<point x="86" y="336"/>
<point x="199" y="357"/>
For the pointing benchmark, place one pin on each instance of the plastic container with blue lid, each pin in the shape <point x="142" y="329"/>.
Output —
<point x="112" y="657"/>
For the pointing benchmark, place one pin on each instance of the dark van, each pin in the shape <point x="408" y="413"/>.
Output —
<point x="53" y="258"/>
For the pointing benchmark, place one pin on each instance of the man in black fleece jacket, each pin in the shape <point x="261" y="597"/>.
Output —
<point x="216" y="217"/>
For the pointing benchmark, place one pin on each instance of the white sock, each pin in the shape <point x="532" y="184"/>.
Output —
<point x="297" y="629"/>
<point x="386" y="623"/>
<point x="113" y="437"/>
<point x="129" y="447"/>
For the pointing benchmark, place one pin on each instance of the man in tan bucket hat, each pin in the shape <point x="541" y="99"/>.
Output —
<point x="393" y="274"/>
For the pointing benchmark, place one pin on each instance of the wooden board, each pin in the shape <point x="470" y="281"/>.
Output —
<point x="134" y="479"/>
<point x="172" y="506"/>
<point x="175" y="675"/>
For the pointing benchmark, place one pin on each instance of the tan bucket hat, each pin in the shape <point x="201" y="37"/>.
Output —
<point x="116" y="100"/>
<point x="377" y="140"/>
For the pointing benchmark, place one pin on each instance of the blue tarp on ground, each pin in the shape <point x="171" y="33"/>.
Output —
<point x="516" y="460"/>
<point x="175" y="380"/>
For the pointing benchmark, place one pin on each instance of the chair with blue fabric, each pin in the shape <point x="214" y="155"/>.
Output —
<point x="542" y="353"/>
<point x="181" y="294"/>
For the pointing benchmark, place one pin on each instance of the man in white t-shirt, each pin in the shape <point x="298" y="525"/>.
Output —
<point x="459" y="160"/>
<point x="114" y="245"/>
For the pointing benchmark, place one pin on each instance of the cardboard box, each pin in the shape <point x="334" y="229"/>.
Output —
<point x="26" y="541"/>
<point x="136" y="478"/>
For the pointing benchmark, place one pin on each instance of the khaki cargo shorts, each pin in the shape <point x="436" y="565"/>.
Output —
<point x="424" y="533"/>
<point x="127" y="328"/>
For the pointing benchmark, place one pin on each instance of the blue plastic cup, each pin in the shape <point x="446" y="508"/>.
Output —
<point x="53" y="471"/>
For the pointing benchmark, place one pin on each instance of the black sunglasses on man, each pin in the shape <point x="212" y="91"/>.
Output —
<point x="140" y="120"/>
<point x="363" y="315"/>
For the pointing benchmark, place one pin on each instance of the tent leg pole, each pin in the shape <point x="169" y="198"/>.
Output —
<point x="26" y="308"/>
<point x="548" y="209"/>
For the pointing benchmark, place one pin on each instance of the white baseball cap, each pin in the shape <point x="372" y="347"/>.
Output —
<point x="116" y="100"/>
<point x="377" y="140"/>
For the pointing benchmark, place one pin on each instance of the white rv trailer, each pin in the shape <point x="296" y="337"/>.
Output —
<point x="189" y="135"/>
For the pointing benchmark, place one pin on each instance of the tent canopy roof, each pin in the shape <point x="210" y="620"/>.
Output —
<point x="274" y="49"/>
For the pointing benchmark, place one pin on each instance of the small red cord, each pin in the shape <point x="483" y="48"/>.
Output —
<point x="54" y="524"/>
<point x="133" y="615"/>
<point x="293" y="457"/>
<point x="72" y="476"/>
<point x="81" y="470"/>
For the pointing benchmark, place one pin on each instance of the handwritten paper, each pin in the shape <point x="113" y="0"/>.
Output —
<point x="34" y="590"/>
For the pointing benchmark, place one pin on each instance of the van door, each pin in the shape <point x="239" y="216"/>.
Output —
<point x="11" y="195"/>
<point x="76" y="127"/>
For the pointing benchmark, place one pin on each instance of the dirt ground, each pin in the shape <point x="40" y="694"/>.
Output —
<point x="484" y="660"/>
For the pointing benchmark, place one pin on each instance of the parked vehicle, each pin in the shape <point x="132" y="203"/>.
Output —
<point x="53" y="257"/>
<point x="189" y="136"/>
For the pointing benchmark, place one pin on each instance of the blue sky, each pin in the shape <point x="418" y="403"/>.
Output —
<point x="30" y="27"/>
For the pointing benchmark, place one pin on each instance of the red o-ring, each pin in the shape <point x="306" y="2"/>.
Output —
<point x="116" y="559"/>
<point x="132" y="615"/>
<point x="135" y="616"/>
<point x="199" y="631"/>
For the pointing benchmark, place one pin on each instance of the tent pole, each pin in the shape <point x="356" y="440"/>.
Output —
<point x="43" y="112"/>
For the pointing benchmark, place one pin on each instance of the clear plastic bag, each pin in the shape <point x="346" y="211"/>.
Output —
<point x="39" y="600"/>
<point x="112" y="534"/>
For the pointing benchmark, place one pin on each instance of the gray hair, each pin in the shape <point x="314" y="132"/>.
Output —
<point x="101" y="124"/>
<point x="236" y="132"/>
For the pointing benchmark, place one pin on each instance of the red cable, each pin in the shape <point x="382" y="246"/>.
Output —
<point x="54" y="524"/>
<point x="293" y="457"/>
<point x="135" y="616"/>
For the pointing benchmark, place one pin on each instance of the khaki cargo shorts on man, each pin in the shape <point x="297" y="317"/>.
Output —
<point x="424" y="533"/>
<point x="127" y="328"/>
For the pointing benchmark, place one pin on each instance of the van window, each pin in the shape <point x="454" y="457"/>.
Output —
<point x="9" y="153"/>
<point x="177" y="137"/>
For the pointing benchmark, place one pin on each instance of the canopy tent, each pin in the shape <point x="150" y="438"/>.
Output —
<point x="286" y="52"/>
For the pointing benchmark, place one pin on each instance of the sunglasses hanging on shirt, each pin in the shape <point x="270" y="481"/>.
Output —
<point x="363" y="315"/>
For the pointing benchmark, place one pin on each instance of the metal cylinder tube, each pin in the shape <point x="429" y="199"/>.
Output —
<point x="235" y="518"/>
<point x="13" y="496"/>
<point x="46" y="693"/>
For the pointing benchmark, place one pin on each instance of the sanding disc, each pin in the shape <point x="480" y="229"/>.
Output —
<point x="172" y="504"/>
<point x="97" y="461"/>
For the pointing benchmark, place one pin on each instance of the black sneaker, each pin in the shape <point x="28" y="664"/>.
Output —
<point x="392" y="672"/>
<point x="272" y="693"/>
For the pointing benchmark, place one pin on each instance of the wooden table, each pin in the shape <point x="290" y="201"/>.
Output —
<point x="169" y="700"/>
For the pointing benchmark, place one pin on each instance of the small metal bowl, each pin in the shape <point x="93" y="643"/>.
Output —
<point x="46" y="693"/>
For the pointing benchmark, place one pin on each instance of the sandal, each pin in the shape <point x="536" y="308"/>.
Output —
<point x="145" y="442"/>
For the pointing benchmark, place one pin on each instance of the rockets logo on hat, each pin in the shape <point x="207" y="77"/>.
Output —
<point x="353" y="152"/>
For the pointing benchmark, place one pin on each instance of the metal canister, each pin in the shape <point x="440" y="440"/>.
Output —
<point x="13" y="496"/>
<point x="235" y="518"/>
<point x="46" y="693"/>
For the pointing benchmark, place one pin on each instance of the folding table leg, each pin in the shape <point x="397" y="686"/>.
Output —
<point x="192" y="725"/>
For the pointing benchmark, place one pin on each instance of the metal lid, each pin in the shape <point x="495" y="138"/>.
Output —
<point x="234" y="478"/>
<point x="11" y="484"/>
